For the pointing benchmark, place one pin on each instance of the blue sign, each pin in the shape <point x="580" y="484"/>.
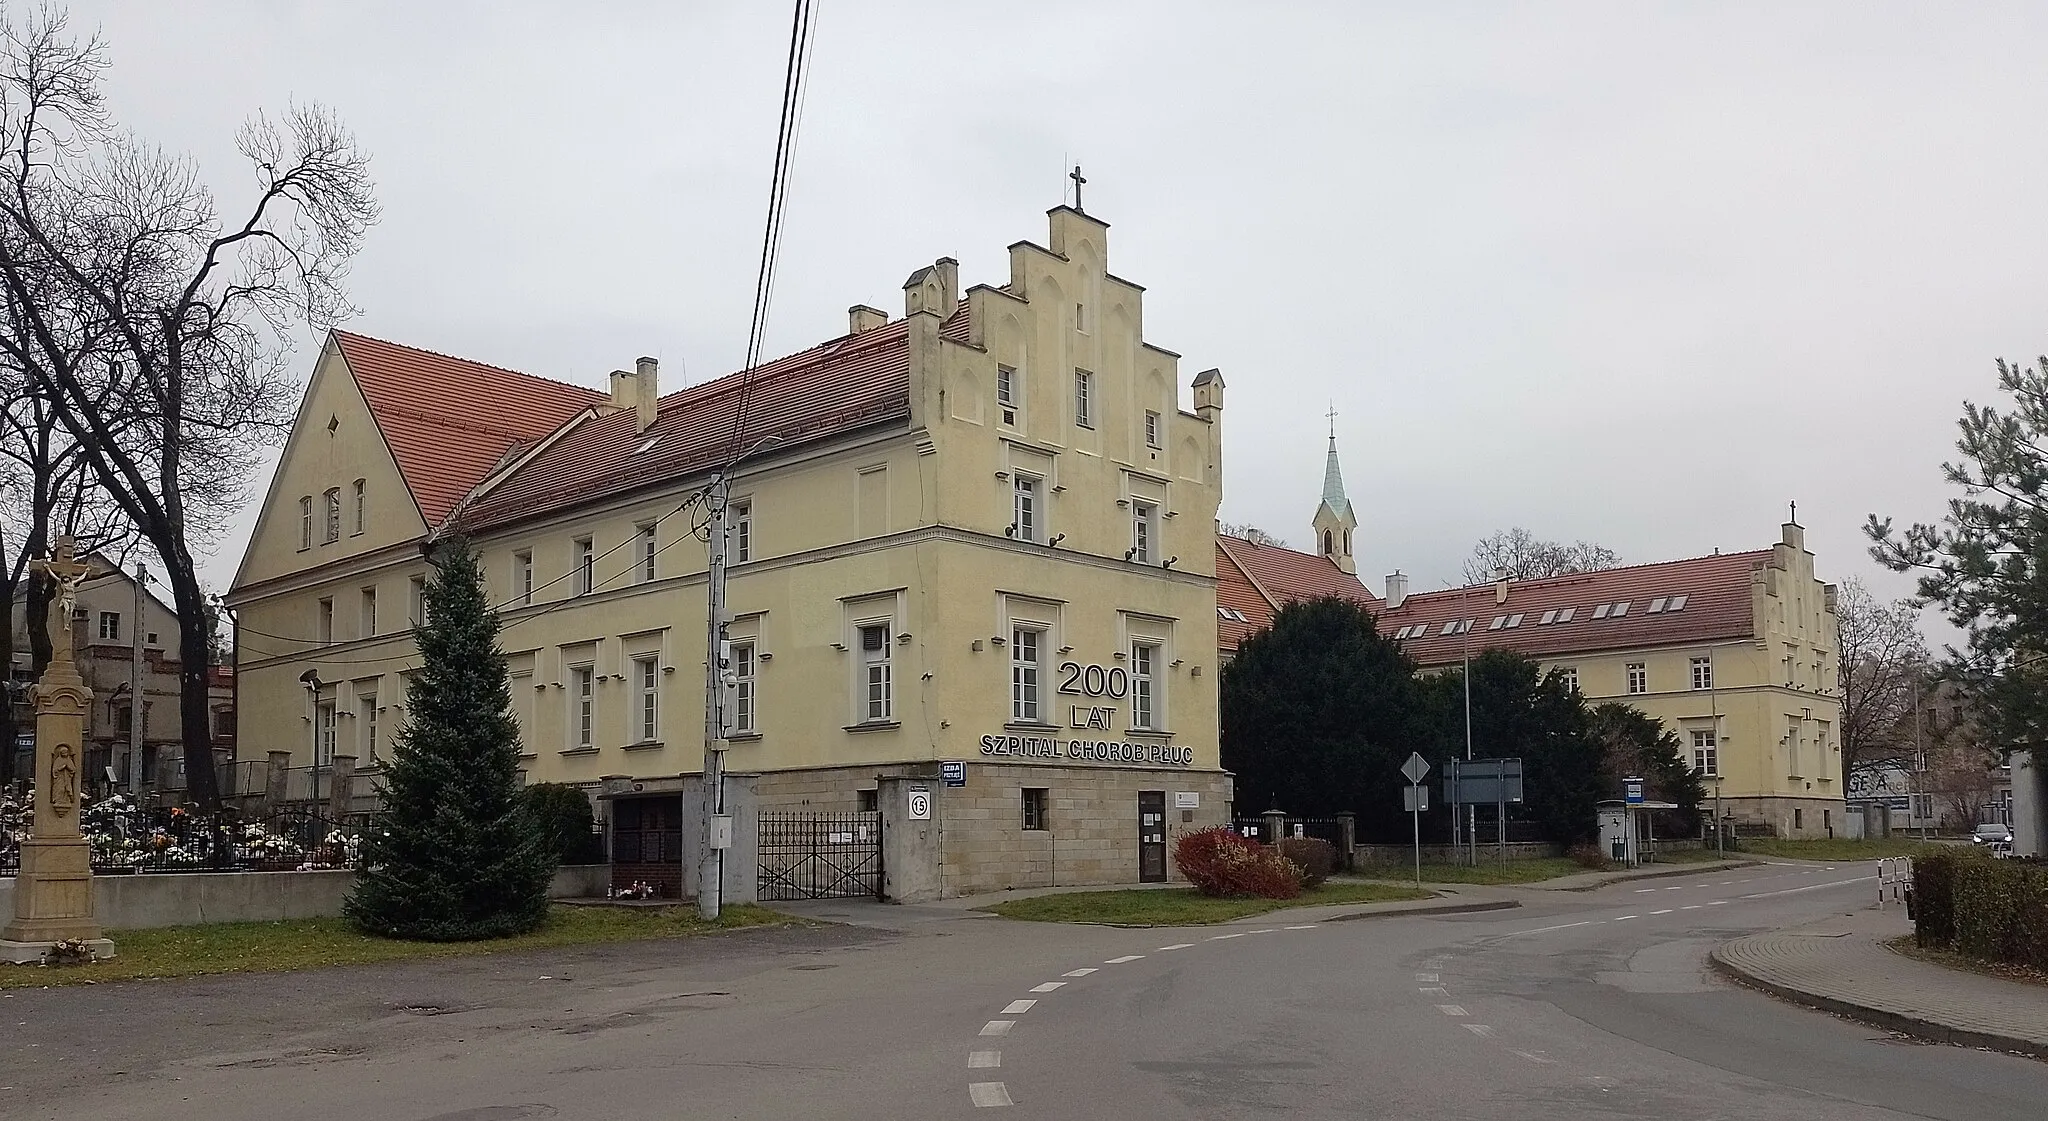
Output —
<point x="953" y="773"/>
<point x="1632" y="791"/>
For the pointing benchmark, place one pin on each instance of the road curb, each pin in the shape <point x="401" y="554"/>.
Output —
<point x="1281" y="914"/>
<point x="1445" y="909"/>
<point x="1702" y="869"/>
<point x="1915" y="1026"/>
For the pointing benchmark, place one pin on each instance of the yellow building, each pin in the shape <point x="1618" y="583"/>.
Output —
<point x="980" y="533"/>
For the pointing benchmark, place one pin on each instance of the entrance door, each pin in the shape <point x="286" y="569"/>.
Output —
<point x="1152" y="836"/>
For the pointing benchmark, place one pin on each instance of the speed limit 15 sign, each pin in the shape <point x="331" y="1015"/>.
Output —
<point x="920" y="803"/>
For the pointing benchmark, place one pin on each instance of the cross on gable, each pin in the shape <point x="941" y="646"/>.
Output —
<point x="1078" y="179"/>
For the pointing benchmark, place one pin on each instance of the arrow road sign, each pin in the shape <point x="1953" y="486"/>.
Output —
<point x="1415" y="767"/>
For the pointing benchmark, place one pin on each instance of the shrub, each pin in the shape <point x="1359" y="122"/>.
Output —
<point x="1934" y="916"/>
<point x="562" y="815"/>
<point x="1315" y="857"/>
<point x="1218" y="862"/>
<point x="2000" y="910"/>
<point x="1589" y="856"/>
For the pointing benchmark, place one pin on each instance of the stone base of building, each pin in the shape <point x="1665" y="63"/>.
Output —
<point x="1803" y="819"/>
<point x="35" y="953"/>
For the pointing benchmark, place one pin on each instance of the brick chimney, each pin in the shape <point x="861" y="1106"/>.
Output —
<point x="861" y="317"/>
<point x="625" y="390"/>
<point x="647" y="395"/>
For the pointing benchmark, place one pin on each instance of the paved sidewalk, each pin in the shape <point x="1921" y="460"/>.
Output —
<point x="1843" y="966"/>
<point x="1451" y="899"/>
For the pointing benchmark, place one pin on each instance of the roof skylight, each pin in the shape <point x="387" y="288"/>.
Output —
<point x="1600" y="612"/>
<point x="1565" y="616"/>
<point x="1656" y="605"/>
<point x="1549" y="617"/>
<point x="1620" y="609"/>
<point x="1677" y="604"/>
<point x="647" y="445"/>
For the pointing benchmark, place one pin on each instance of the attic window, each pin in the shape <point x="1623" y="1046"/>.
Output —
<point x="1677" y="604"/>
<point x="1549" y="617"/>
<point x="1656" y="605"/>
<point x="647" y="445"/>
<point x="1621" y="609"/>
<point x="1223" y="613"/>
<point x="1449" y="628"/>
<point x="1600" y="612"/>
<point x="1514" y="621"/>
<point x="1499" y="621"/>
<point x="333" y="423"/>
<point x="1565" y="616"/>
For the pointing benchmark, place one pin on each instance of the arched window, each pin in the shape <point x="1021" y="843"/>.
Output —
<point x="333" y="514"/>
<point x="1326" y="542"/>
<point x="359" y="505"/>
<point x="1347" y="541"/>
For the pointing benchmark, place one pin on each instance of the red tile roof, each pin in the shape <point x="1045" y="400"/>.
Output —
<point x="450" y="421"/>
<point x="853" y="381"/>
<point x="1255" y="580"/>
<point x="1717" y="606"/>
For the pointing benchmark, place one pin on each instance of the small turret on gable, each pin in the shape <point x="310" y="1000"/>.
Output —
<point x="1208" y="394"/>
<point x="933" y="289"/>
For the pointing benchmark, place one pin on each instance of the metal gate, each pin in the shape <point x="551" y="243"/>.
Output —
<point x="821" y="856"/>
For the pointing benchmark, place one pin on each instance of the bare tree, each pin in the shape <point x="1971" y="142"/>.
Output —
<point x="159" y="331"/>
<point x="1522" y="556"/>
<point x="1883" y="655"/>
<point x="1250" y="533"/>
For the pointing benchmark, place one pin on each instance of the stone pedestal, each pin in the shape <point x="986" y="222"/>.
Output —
<point x="53" y="892"/>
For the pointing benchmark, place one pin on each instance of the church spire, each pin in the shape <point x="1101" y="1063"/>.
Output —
<point x="1334" y="519"/>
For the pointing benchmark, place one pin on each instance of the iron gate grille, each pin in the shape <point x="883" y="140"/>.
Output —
<point x="821" y="856"/>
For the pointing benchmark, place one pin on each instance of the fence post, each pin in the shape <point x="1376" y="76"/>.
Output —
<point x="341" y="788"/>
<point x="275" y="775"/>
<point x="1347" y="840"/>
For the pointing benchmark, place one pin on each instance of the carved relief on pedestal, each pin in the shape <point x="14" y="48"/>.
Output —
<point x="64" y="780"/>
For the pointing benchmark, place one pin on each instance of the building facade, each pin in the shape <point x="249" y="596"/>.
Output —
<point x="979" y="533"/>
<point x="1736" y="653"/>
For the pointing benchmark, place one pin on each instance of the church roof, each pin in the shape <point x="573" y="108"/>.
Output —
<point x="1253" y="581"/>
<point x="1333" y="485"/>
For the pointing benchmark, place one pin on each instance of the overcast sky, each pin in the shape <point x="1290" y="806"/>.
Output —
<point x="1640" y="274"/>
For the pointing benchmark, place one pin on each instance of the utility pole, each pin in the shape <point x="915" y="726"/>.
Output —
<point x="135" y="689"/>
<point x="1471" y="811"/>
<point x="1920" y="753"/>
<point x="711" y="858"/>
<point x="1714" y="710"/>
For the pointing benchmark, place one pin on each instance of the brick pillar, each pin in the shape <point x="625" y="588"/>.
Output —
<point x="1347" y="840"/>
<point x="341" y="788"/>
<point x="276" y="773"/>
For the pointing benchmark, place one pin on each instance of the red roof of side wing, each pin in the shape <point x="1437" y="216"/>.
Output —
<point x="1253" y="580"/>
<point x="449" y="421"/>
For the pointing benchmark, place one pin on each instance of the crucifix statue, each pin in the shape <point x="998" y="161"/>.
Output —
<point x="1078" y="179"/>
<point x="67" y="573"/>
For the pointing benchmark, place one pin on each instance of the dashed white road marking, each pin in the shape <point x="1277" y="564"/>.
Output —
<point x="1018" y="1007"/>
<point x="998" y="1027"/>
<point x="1434" y="990"/>
<point x="1305" y="926"/>
<point x="1624" y="918"/>
<point x="1123" y="959"/>
<point x="983" y="1060"/>
<point x="1548" y="929"/>
<point x="1268" y="930"/>
<point x="1175" y="946"/>
<point x="1644" y="890"/>
<point x="1049" y="986"/>
<point x="1078" y="972"/>
<point x="1531" y="1056"/>
<point x="1480" y="1030"/>
<point x="1665" y="911"/>
<point x="1221" y="937"/>
<point x="989" y="1093"/>
<point x="1428" y="977"/>
<point x="1452" y="1010"/>
<point x="1690" y="907"/>
<point x="1680" y="887"/>
<point x="1718" y="903"/>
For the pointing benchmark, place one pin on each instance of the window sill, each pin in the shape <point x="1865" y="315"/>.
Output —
<point x="1030" y="726"/>
<point x="744" y="737"/>
<point x="1156" y="733"/>
<point x="874" y="726"/>
<point x="645" y="745"/>
<point x="578" y="751"/>
<point x="522" y="755"/>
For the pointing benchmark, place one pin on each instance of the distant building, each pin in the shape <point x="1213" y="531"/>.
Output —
<point x="1736" y="653"/>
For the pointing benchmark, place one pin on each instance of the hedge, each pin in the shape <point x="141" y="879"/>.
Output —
<point x="1996" y="910"/>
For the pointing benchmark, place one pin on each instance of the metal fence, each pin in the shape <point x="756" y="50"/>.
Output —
<point x="126" y="840"/>
<point x="820" y="856"/>
<point x="1321" y="828"/>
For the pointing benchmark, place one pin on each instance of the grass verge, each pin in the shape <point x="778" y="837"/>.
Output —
<point x="1840" y="848"/>
<point x="1905" y="945"/>
<point x="1513" y="872"/>
<point x="272" y="947"/>
<point x="1185" y="906"/>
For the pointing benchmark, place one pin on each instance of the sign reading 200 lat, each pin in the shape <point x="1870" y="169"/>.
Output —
<point x="1094" y="680"/>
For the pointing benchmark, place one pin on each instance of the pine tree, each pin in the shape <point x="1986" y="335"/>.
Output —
<point x="458" y="857"/>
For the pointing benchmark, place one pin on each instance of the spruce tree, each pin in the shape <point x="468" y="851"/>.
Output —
<point x="458" y="856"/>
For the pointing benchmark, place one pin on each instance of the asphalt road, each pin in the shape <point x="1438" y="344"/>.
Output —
<point x="1593" y="1005"/>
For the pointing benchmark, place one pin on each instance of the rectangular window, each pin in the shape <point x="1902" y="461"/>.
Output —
<point x="867" y="801"/>
<point x="1620" y="609"/>
<point x="1084" y="398"/>
<point x="740" y="517"/>
<point x="648" y="551"/>
<point x="1600" y="612"/>
<point x="323" y="733"/>
<point x="333" y="515"/>
<point x="1081" y="318"/>
<point x="1548" y="618"/>
<point x="1565" y="616"/>
<point x="647" y="697"/>
<point x="1569" y="675"/>
<point x="1638" y="678"/>
<point x="1025" y="645"/>
<point x="1799" y="817"/>
<point x="1144" y="526"/>
<point x="359" y="505"/>
<point x="582" y="700"/>
<point x="1794" y="766"/>
<point x="744" y="685"/>
<point x="1703" y="673"/>
<point x="586" y="566"/>
<point x="1006" y="394"/>
<point x="876" y="701"/>
<point x="1656" y="606"/>
<point x="417" y="608"/>
<point x="110" y="626"/>
<point x="326" y="624"/>
<point x="369" y="613"/>
<point x="1024" y="508"/>
<point x="522" y="578"/>
<point x="1034" y="807"/>
<point x="1151" y="429"/>
<point x="366" y="722"/>
<point x="1706" y="753"/>
<point x="1144" y="668"/>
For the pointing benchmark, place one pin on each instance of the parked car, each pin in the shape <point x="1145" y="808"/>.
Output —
<point x="1992" y="833"/>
